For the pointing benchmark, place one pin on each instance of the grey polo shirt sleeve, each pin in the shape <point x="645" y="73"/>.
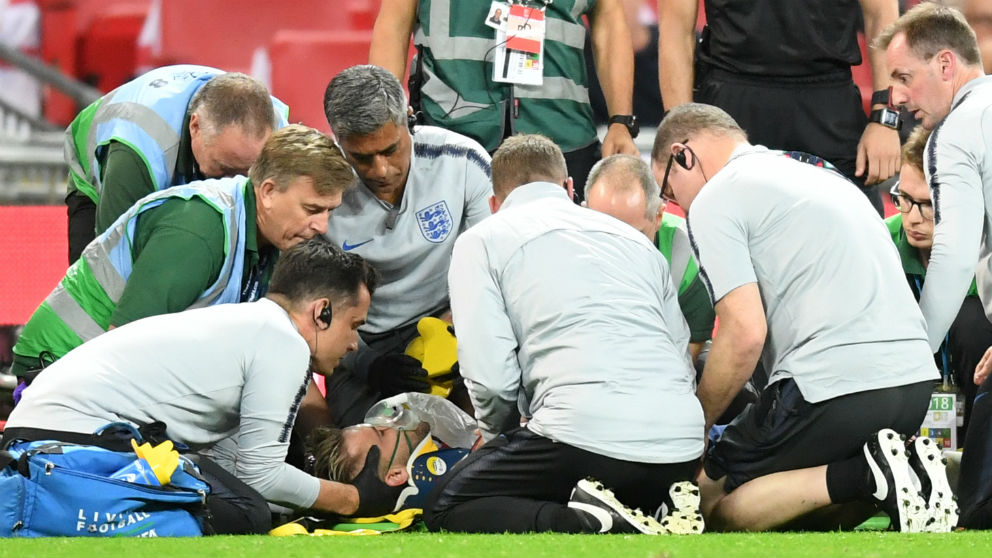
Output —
<point x="954" y="155"/>
<point x="275" y="382"/>
<point x="718" y="235"/>
<point x="487" y="345"/>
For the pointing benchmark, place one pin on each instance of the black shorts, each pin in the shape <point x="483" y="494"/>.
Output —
<point x="822" y="115"/>
<point x="784" y="432"/>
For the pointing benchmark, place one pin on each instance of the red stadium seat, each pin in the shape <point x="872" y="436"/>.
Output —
<point x="224" y="34"/>
<point x="34" y="253"/>
<point x="107" y="51"/>
<point x="303" y="62"/>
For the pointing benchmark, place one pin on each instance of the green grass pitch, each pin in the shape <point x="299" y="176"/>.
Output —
<point x="970" y="544"/>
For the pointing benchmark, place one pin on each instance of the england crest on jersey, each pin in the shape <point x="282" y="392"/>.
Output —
<point x="435" y="222"/>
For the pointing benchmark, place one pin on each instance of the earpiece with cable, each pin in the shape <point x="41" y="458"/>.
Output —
<point x="324" y="316"/>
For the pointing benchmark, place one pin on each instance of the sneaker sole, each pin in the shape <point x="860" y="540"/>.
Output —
<point x="943" y="506"/>
<point x="685" y="518"/>
<point x="644" y="524"/>
<point x="911" y="516"/>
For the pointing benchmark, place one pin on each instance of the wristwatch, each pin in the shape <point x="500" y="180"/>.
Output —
<point x="628" y="120"/>
<point x="886" y="117"/>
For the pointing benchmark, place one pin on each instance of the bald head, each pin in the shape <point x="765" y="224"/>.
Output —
<point x="622" y="186"/>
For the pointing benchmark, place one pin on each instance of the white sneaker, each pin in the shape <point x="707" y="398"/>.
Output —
<point x="894" y="491"/>
<point x="685" y="517"/>
<point x="929" y="465"/>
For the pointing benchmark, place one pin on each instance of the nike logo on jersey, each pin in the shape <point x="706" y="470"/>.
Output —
<point x="348" y="247"/>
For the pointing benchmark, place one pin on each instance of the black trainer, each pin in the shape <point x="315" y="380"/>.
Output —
<point x="928" y="463"/>
<point x="603" y="513"/>
<point x="894" y="490"/>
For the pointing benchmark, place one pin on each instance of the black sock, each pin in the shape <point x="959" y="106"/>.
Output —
<point x="849" y="480"/>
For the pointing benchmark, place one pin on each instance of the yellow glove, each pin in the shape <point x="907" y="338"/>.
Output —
<point x="437" y="350"/>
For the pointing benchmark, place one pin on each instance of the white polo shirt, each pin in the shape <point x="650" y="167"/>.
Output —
<point x="447" y="191"/>
<point x="570" y="316"/>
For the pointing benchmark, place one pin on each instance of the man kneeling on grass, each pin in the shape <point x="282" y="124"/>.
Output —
<point x="803" y="274"/>
<point x="226" y="381"/>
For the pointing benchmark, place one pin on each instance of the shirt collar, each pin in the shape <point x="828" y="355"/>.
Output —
<point x="534" y="191"/>
<point x="968" y="88"/>
<point x="185" y="163"/>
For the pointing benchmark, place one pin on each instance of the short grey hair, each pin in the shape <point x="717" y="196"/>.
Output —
<point x="234" y="99"/>
<point x="362" y="99"/>
<point x="691" y="118"/>
<point x="624" y="173"/>
<point x="525" y="158"/>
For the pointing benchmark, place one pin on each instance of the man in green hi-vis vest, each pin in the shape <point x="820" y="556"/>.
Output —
<point x="200" y="244"/>
<point x="170" y="126"/>
<point x="622" y="186"/>
<point x="452" y="75"/>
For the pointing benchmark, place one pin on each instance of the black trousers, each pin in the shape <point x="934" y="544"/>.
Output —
<point x="819" y="116"/>
<point x="970" y="335"/>
<point x="975" y="481"/>
<point x="234" y="507"/>
<point x="580" y="163"/>
<point x="520" y="482"/>
<point x="82" y="223"/>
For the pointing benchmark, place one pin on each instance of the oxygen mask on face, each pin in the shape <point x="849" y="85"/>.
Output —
<point x="393" y="415"/>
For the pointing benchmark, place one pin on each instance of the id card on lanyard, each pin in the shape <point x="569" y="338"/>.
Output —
<point x="251" y="288"/>
<point x="519" y="52"/>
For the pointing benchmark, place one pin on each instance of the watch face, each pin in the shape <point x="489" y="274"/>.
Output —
<point x="890" y="118"/>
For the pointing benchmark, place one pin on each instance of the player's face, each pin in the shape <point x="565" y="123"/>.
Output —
<point x="919" y="230"/>
<point x="288" y="217"/>
<point x="395" y="446"/>
<point x="918" y="85"/>
<point x="225" y="152"/>
<point x="341" y="337"/>
<point x="381" y="159"/>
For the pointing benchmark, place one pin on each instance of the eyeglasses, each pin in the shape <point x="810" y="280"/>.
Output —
<point x="905" y="203"/>
<point x="666" y="190"/>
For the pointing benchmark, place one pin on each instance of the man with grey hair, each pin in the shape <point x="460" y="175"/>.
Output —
<point x="581" y="362"/>
<point x="622" y="186"/>
<point x="419" y="189"/>
<point x="168" y="127"/>
<point x="802" y="273"/>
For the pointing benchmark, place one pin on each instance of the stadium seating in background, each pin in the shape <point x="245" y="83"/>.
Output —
<point x="225" y="34"/>
<point x="303" y="62"/>
<point x="107" y="50"/>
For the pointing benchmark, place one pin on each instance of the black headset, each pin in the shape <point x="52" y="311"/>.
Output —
<point x="325" y="316"/>
<point x="411" y="121"/>
<point x="680" y="157"/>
